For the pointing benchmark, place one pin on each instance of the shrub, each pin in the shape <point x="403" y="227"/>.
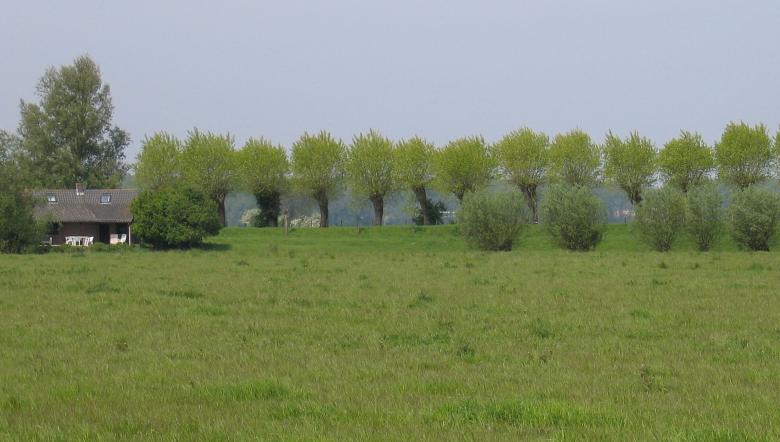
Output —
<point x="174" y="218"/>
<point x="573" y="216"/>
<point x="754" y="214"/>
<point x="660" y="217"/>
<point x="704" y="215"/>
<point x="492" y="221"/>
<point x="18" y="229"/>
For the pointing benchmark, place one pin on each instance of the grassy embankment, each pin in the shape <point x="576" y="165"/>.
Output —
<point x="398" y="333"/>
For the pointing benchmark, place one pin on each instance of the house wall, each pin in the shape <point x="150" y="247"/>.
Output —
<point x="81" y="229"/>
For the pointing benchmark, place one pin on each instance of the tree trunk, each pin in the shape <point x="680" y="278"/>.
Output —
<point x="529" y="193"/>
<point x="379" y="209"/>
<point x="422" y="198"/>
<point x="270" y="205"/>
<point x="221" y="209"/>
<point x="322" y="199"/>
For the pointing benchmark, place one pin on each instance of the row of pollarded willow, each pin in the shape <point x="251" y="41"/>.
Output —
<point x="373" y="166"/>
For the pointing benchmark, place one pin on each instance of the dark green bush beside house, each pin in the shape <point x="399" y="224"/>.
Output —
<point x="754" y="214"/>
<point x="573" y="216"/>
<point x="492" y="221"/>
<point x="174" y="218"/>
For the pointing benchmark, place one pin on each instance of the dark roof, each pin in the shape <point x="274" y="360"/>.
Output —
<point x="86" y="208"/>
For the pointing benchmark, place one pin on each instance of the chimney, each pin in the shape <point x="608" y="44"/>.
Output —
<point x="79" y="189"/>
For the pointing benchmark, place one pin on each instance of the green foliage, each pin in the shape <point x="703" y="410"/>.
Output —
<point x="630" y="163"/>
<point x="660" y="217"/>
<point x="318" y="168"/>
<point x="435" y="213"/>
<point x="208" y="163"/>
<point x="263" y="171"/>
<point x="18" y="229"/>
<point x="522" y="158"/>
<point x="704" y="214"/>
<point x="370" y="169"/>
<point x="414" y="162"/>
<point x="10" y="145"/>
<point x="754" y="215"/>
<point x="573" y="216"/>
<point x="158" y="165"/>
<point x="686" y="160"/>
<point x="464" y="165"/>
<point x="744" y="154"/>
<point x="68" y="136"/>
<point x="174" y="217"/>
<point x="575" y="159"/>
<point x="491" y="221"/>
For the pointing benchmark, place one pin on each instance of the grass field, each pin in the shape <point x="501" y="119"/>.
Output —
<point x="398" y="333"/>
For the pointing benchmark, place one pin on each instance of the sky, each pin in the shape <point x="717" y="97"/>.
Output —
<point x="441" y="69"/>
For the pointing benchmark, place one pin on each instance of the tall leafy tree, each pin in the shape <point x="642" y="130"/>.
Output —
<point x="263" y="171"/>
<point x="318" y="168"/>
<point x="523" y="156"/>
<point x="208" y="162"/>
<point x="463" y="165"/>
<point x="575" y="159"/>
<point x="414" y="168"/>
<point x="686" y="160"/>
<point x="370" y="169"/>
<point x="10" y="145"/>
<point x="744" y="154"/>
<point x="69" y="135"/>
<point x="159" y="164"/>
<point x="630" y="163"/>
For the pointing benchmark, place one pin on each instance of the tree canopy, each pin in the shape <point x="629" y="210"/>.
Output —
<point x="744" y="154"/>
<point x="208" y="163"/>
<point x="69" y="135"/>
<point x="263" y="170"/>
<point x="463" y="165"/>
<point x="370" y="169"/>
<point x="630" y="163"/>
<point x="522" y="157"/>
<point x="159" y="164"/>
<point x="686" y="160"/>
<point x="318" y="167"/>
<point x="575" y="159"/>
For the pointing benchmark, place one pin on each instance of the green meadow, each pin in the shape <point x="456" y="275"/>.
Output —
<point x="394" y="333"/>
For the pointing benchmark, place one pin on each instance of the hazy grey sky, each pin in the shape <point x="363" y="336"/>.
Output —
<point x="441" y="68"/>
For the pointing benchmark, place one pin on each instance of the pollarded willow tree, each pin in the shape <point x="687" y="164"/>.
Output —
<point x="208" y="162"/>
<point x="414" y="168"/>
<point x="158" y="164"/>
<point x="463" y="165"/>
<point x="685" y="161"/>
<point x="318" y="168"/>
<point x="370" y="169"/>
<point x="744" y="154"/>
<point x="575" y="159"/>
<point x="263" y="170"/>
<point x="522" y="157"/>
<point x="630" y="163"/>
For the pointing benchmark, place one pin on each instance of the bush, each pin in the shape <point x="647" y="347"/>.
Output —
<point x="492" y="221"/>
<point x="573" y="216"/>
<point x="174" y="218"/>
<point x="754" y="214"/>
<point x="18" y="229"/>
<point x="660" y="217"/>
<point x="704" y="215"/>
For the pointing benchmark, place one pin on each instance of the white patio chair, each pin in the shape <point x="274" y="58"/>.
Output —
<point x="70" y="241"/>
<point x="123" y="238"/>
<point x="88" y="240"/>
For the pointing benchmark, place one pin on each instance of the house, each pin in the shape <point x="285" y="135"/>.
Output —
<point x="101" y="214"/>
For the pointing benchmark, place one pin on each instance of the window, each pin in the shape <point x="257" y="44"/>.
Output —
<point x="52" y="198"/>
<point x="105" y="198"/>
